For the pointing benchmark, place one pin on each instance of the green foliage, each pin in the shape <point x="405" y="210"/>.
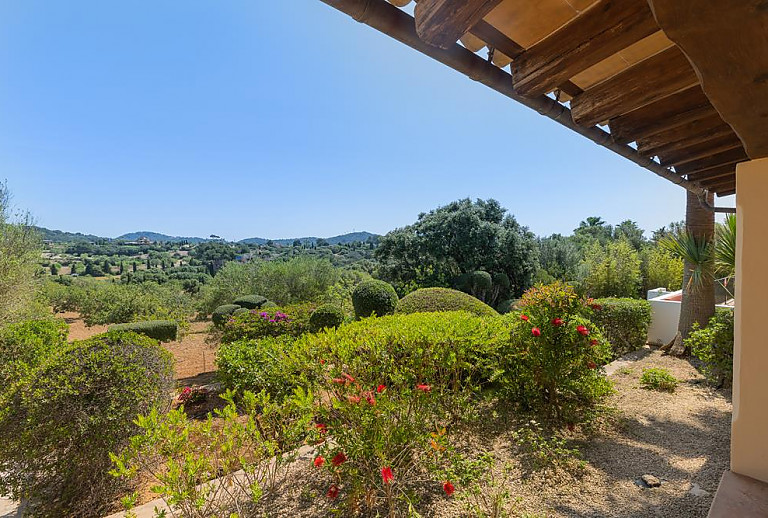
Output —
<point x="662" y="269"/>
<point x="247" y="437"/>
<point x="240" y="311"/>
<point x="455" y="239"/>
<point x="374" y="297"/>
<point x="60" y="422"/>
<point x="656" y="378"/>
<point x="625" y="323"/>
<point x="544" y="453"/>
<point x="25" y="345"/>
<point x="222" y="314"/>
<point x="442" y="299"/>
<point x="698" y="252"/>
<point x="505" y="306"/>
<point x="725" y="247"/>
<point x="713" y="345"/>
<point x="160" y="330"/>
<point x="250" y="301"/>
<point x="560" y="257"/>
<point x="327" y="315"/>
<point x="291" y="320"/>
<point x="551" y="363"/>
<point x="593" y="229"/>
<point x="613" y="270"/>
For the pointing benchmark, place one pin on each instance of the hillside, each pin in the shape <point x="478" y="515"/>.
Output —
<point x="351" y="237"/>
<point x="156" y="237"/>
<point x="59" y="236"/>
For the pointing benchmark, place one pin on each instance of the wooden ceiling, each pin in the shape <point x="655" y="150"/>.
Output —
<point x="609" y="62"/>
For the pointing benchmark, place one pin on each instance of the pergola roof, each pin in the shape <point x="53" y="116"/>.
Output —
<point x="607" y="63"/>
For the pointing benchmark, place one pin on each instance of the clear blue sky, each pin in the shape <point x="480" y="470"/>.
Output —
<point x="274" y="119"/>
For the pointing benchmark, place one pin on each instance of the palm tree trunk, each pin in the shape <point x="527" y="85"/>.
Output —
<point x="698" y="303"/>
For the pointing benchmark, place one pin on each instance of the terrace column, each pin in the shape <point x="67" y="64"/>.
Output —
<point x="749" y="435"/>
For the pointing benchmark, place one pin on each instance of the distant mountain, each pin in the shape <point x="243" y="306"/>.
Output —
<point x="352" y="237"/>
<point x="58" y="236"/>
<point x="155" y="237"/>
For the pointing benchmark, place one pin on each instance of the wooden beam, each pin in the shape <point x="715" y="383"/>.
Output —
<point x="733" y="156"/>
<point x="684" y="135"/>
<point x="701" y="150"/>
<point x="664" y="115"/>
<point x="599" y="32"/>
<point x="728" y="185"/>
<point x="655" y="78"/>
<point x="726" y="193"/>
<point x="727" y="43"/>
<point x="441" y="23"/>
<point x="718" y="172"/>
<point x="497" y="39"/>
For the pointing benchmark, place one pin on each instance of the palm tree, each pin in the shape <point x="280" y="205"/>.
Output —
<point x="725" y="248"/>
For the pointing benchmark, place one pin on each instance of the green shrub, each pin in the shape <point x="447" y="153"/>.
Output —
<point x="658" y="379"/>
<point x="551" y="363"/>
<point x="327" y="315"/>
<point x="625" y="323"/>
<point x="374" y="297"/>
<point x="428" y="300"/>
<point x="250" y="301"/>
<point x="268" y="304"/>
<point x="24" y="345"/>
<point x="506" y="306"/>
<point x="713" y="345"/>
<point x="161" y="330"/>
<point x="60" y="422"/>
<point x="222" y="314"/>
<point x="240" y="311"/>
<point x="255" y="324"/>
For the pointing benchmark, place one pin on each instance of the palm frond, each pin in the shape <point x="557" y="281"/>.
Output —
<point x="725" y="248"/>
<point x="697" y="252"/>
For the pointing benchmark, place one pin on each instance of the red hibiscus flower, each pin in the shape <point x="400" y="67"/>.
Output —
<point x="339" y="459"/>
<point x="593" y="342"/>
<point x="333" y="491"/>
<point x="536" y="331"/>
<point x="448" y="488"/>
<point x="592" y="365"/>
<point x="381" y="388"/>
<point x="321" y="428"/>
<point x="557" y="322"/>
<point x="319" y="461"/>
<point x="582" y="330"/>
<point x="386" y="475"/>
<point x="322" y="362"/>
<point x="524" y="317"/>
<point x="424" y="388"/>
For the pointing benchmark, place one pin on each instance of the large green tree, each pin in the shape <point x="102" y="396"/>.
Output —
<point x="456" y="239"/>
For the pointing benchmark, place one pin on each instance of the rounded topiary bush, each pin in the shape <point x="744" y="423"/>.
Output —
<point x="326" y="316"/>
<point x="269" y="304"/>
<point x="222" y="313"/>
<point x="480" y="280"/>
<point x="505" y="306"/>
<point x="240" y="311"/>
<point x="374" y="297"/>
<point x="427" y="300"/>
<point x="60" y="422"/>
<point x="250" y="301"/>
<point x="161" y="330"/>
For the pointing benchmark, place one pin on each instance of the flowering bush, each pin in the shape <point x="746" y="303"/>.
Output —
<point x="551" y="364"/>
<point x="261" y="323"/>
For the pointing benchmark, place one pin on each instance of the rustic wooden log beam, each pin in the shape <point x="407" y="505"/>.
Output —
<point x="496" y="39"/>
<point x="655" y="78"/>
<point x="726" y="43"/>
<point x="726" y="193"/>
<point x="664" y="115"/>
<point x="727" y="186"/>
<point x="717" y="172"/>
<point x="733" y="156"/>
<point x="683" y="136"/>
<point x="599" y="32"/>
<point x="441" y="23"/>
<point x="699" y="150"/>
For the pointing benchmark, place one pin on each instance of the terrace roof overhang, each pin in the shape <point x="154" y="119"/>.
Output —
<point x="679" y="87"/>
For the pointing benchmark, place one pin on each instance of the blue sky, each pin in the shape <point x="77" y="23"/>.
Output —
<point x="274" y="119"/>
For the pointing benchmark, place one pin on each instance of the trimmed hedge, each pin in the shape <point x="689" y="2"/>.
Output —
<point x="427" y="300"/>
<point x="240" y="311"/>
<point x="61" y="421"/>
<point x="374" y="297"/>
<point x="624" y="322"/>
<point x="222" y="313"/>
<point x="328" y="315"/>
<point x="161" y="330"/>
<point x="250" y="301"/>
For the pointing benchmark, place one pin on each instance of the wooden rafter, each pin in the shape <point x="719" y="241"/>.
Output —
<point x="702" y="149"/>
<point x="683" y="136"/>
<point x="733" y="156"/>
<point x="718" y="172"/>
<point x="441" y="23"/>
<point x="605" y="28"/>
<point x="651" y="80"/>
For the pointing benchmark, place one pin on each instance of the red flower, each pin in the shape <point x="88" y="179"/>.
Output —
<point x="186" y="393"/>
<point x="369" y="398"/>
<point x="424" y="388"/>
<point x="321" y="428"/>
<point x="353" y="399"/>
<point x="348" y="377"/>
<point x="319" y="461"/>
<point x="592" y="365"/>
<point x="582" y="330"/>
<point x="593" y="342"/>
<point x="386" y="475"/>
<point x="333" y="491"/>
<point x="339" y="459"/>
<point x="322" y="362"/>
<point x="381" y="388"/>
<point x="448" y="488"/>
<point x="524" y="317"/>
<point x="536" y="331"/>
<point x="340" y="381"/>
<point x="557" y="322"/>
<point x="596" y="307"/>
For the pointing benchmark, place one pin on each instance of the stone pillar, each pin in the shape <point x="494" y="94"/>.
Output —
<point x="749" y="436"/>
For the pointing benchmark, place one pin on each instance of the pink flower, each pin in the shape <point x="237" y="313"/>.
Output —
<point x="424" y="388"/>
<point x="333" y="491"/>
<point x="339" y="459"/>
<point x="448" y="488"/>
<point x="557" y="322"/>
<point x="319" y="461"/>
<point x="536" y="331"/>
<point x="386" y="475"/>
<point x="582" y="330"/>
<point x="381" y="388"/>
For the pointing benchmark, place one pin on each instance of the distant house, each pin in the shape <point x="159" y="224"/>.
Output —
<point x="144" y="241"/>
